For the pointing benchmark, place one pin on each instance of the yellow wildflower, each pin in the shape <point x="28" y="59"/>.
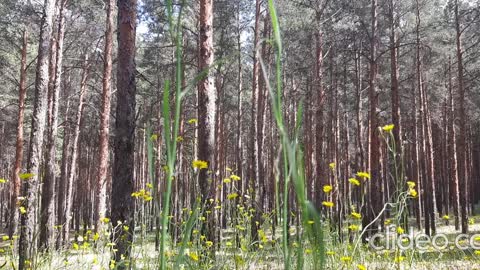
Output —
<point x="5" y="238"/>
<point x="105" y="220"/>
<point x="227" y="180"/>
<point x="356" y="215"/>
<point x="327" y="188"/>
<point x="330" y="253"/>
<point x="361" y="267"/>
<point x="412" y="192"/>
<point x="328" y="204"/>
<point x="26" y="176"/>
<point x="364" y="175"/>
<point x="411" y="184"/>
<point x="400" y="230"/>
<point x="232" y="196"/>
<point x="149" y="185"/>
<point x="3" y="181"/>
<point x="23" y="210"/>
<point x="310" y="222"/>
<point x="399" y="259"/>
<point x="179" y="139"/>
<point x="192" y="121"/>
<point x="209" y="243"/>
<point x="193" y="256"/>
<point x="199" y="164"/>
<point x="346" y="259"/>
<point x="235" y="177"/>
<point x="388" y="128"/>
<point x="446" y="217"/>
<point x="353" y="228"/>
<point x="332" y="166"/>
<point x="354" y="181"/>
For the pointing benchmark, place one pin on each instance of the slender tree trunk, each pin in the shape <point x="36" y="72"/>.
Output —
<point x="206" y="107"/>
<point x="22" y="93"/>
<point x="103" y="156"/>
<point x="462" y="176"/>
<point x="123" y="167"/>
<point x="31" y="188"/>
<point x="373" y="152"/>
<point x="48" y="191"/>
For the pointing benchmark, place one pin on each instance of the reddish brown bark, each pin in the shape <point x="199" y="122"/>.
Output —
<point x="103" y="156"/>
<point x="22" y="93"/>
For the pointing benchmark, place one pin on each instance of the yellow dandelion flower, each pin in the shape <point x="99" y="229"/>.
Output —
<point x="411" y="184"/>
<point x="235" y="177"/>
<point x="399" y="259"/>
<point x="353" y="228"/>
<point x="364" y="175"/>
<point x="328" y="204"/>
<point x="227" y="180"/>
<point x="179" y="139"/>
<point x="354" y="181"/>
<point x="388" y="128"/>
<point x="356" y="215"/>
<point x="332" y="166"/>
<point x="232" y="196"/>
<point x="387" y="222"/>
<point x="446" y="217"/>
<point x="192" y="121"/>
<point x="23" y="210"/>
<point x="400" y="230"/>
<point x="193" y="256"/>
<point x="361" y="267"/>
<point x="96" y="236"/>
<point x="199" y="164"/>
<point x="105" y="220"/>
<point x="327" y="188"/>
<point x="412" y="192"/>
<point x="26" y="176"/>
<point x="209" y="243"/>
<point x="346" y="259"/>
<point x="5" y="238"/>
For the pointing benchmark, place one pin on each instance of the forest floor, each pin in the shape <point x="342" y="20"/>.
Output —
<point x="86" y="255"/>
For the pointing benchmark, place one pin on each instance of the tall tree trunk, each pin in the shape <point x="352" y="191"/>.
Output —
<point x="48" y="191"/>
<point x="373" y="145"/>
<point x="31" y="189"/>
<point x="395" y="98"/>
<point x="462" y="176"/>
<point x="206" y="107"/>
<point x="103" y="156"/>
<point x="123" y="166"/>
<point x="22" y="93"/>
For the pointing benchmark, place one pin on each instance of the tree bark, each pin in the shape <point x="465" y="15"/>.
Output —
<point x="22" y="93"/>
<point x="206" y="106"/>
<point x="123" y="169"/>
<point x="48" y="191"/>
<point x="31" y="189"/>
<point x="103" y="156"/>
